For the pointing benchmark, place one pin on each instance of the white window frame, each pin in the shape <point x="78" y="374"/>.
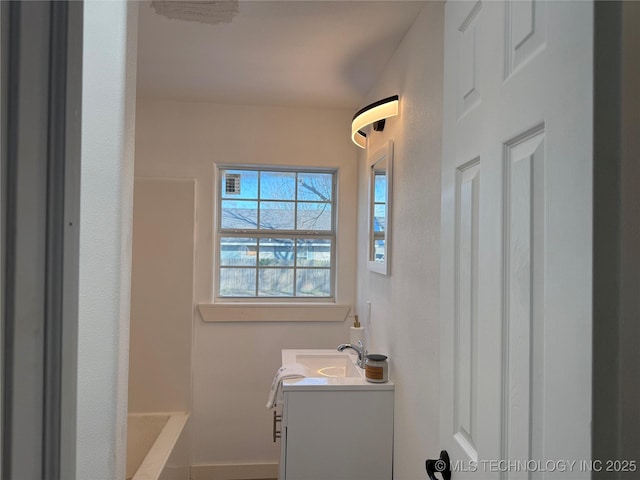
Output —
<point x="219" y="234"/>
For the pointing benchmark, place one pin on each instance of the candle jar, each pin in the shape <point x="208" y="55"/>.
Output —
<point x="377" y="368"/>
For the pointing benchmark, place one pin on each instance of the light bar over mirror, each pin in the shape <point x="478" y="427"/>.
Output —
<point x="374" y="113"/>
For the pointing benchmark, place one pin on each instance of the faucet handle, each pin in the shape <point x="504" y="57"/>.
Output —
<point x="363" y="355"/>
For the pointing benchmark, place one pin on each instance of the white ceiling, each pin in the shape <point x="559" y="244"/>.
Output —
<point x="293" y="53"/>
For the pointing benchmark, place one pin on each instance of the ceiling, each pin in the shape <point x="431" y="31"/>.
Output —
<point x="290" y="53"/>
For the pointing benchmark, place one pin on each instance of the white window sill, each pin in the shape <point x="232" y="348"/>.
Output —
<point x="273" y="312"/>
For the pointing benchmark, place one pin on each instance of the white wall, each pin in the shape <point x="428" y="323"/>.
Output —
<point x="234" y="363"/>
<point x="405" y="305"/>
<point x="162" y="295"/>
<point x="108" y="111"/>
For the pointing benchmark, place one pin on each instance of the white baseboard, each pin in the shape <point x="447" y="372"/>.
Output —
<point x="244" y="471"/>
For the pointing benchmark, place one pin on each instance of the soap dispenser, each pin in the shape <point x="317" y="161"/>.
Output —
<point x="357" y="332"/>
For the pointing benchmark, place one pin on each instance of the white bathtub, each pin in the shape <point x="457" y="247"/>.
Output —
<point x="157" y="446"/>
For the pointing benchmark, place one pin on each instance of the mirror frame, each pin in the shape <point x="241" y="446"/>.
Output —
<point x="382" y="268"/>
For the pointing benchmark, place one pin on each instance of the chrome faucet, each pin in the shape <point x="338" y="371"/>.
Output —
<point x="360" y="350"/>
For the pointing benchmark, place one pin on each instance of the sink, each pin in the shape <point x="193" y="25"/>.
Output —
<point x="328" y="370"/>
<point x="333" y="365"/>
<point x="325" y="363"/>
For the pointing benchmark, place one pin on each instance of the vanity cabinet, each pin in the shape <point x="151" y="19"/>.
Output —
<point x="337" y="432"/>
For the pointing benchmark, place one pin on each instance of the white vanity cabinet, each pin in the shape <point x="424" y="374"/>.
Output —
<point x="337" y="432"/>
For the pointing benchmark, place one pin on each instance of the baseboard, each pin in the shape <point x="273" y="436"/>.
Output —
<point x="243" y="471"/>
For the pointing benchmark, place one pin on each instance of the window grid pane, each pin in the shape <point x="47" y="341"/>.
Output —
<point x="238" y="282"/>
<point x="239" y="215"/>
<point x="275" y="185"/>
<point x="277" y="215"/>
<point x="315" y="187"/>
<point x="238" y="252"/>
<point x="313" y="282"/>
<point x="276" y="252"/>
<point x="275" y="282"/>
<point x="244" y="181"/>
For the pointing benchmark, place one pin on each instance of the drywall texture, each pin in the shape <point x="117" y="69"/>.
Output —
<point x="161" y="295"/>
<point x="405" y="305"/>
<point x="108" y="127"/>
<point x="234" y="363"/>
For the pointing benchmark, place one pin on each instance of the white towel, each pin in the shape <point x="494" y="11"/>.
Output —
<point x="294" y="370"/>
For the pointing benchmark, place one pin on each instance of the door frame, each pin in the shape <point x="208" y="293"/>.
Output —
<point x="616" y="253"/>
<point x="40" y="156"/>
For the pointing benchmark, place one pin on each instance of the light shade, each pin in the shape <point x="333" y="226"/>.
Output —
<point x="374" y="113"/>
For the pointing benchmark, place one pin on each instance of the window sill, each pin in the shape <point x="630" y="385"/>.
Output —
<point x="272" y="312"/>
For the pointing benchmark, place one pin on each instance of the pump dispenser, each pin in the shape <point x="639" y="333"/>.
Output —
<point x="357" y="332"/>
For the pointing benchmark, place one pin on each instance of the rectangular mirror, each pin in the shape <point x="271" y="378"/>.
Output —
<point x="380" y="173"/>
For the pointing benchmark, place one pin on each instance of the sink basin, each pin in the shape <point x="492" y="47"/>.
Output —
<point x="325" y="363"/>
<point x="334" y="365"/>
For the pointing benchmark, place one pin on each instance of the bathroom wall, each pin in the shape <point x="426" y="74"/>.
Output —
<point x="108" y="132"/>
<point x="405" y="305"/>
<point x="234" y="362"/>
<point x="161" y="295"/>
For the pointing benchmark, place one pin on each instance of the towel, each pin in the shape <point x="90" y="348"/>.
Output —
<point x="294" y="370"/>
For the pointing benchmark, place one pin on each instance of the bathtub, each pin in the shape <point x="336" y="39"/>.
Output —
<point x="157" y="446"/>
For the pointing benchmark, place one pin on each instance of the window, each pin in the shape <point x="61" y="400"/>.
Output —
<point x="276" y="233"/>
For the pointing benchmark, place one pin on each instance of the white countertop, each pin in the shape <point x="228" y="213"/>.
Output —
<point x="328" y="383"/>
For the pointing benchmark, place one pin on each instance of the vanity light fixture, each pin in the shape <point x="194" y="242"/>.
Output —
<point x="374" y="113"/>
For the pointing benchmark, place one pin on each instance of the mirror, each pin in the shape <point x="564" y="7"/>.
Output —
<point x="380" y="167"/>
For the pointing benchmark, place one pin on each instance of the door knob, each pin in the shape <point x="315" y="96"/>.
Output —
<point x="442" y="465"/>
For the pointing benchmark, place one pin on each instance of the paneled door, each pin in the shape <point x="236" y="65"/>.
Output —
<point x="516" y="239"/>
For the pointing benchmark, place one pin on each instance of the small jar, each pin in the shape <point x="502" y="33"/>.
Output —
<point x="377" y="368"/>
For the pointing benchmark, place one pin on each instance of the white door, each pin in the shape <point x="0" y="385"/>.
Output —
<point x="516" y="239"/>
